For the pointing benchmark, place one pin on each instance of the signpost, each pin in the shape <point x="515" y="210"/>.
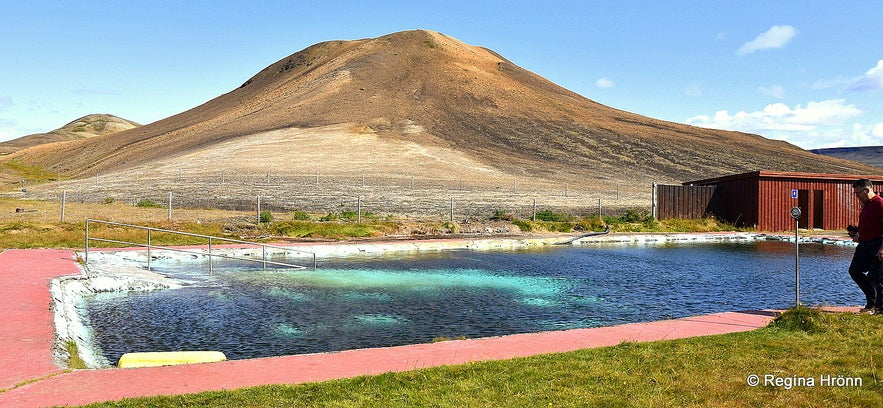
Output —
<point x="795" y="213"/>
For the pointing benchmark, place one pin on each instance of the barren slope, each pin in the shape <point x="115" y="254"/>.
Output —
<point x="872" y="155"/>
<point x="82" y="128"/>
<point x="425" y="92"/>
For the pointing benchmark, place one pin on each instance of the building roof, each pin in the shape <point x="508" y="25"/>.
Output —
<point x="760" y="174"/>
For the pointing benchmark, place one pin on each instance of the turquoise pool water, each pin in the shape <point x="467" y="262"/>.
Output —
<point x="373" y="301"/>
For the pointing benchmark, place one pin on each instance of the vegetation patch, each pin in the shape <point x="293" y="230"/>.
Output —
<point x="329" y="230"/>
<point x="801" y="319"/>
<point x="147" y="203"/>
<point x="35" y="174"/>
<point x="74" y="360"/>
<point x="266" y="217"/>
<point x="710" y="371"/>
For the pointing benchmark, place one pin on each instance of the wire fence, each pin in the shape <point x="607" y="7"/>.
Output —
<point x="366" y="195"/>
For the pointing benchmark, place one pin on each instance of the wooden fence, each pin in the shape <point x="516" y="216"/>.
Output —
<point x="689" y="202"/>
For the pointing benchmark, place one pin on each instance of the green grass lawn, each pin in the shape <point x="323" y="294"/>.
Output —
<point x="696" y="372"/>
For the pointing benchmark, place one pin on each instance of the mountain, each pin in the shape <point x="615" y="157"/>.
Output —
<point x="82" y="128"/>
<point x="422" y="104"/>
<point x="872" y="155"/>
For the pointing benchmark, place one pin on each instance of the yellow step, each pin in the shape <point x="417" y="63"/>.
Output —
<point x="163" y="358"/>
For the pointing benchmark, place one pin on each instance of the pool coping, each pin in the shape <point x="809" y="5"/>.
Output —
<point x="28" y="376"/>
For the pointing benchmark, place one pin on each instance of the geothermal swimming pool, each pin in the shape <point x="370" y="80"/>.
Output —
<point x="378" y="301"/>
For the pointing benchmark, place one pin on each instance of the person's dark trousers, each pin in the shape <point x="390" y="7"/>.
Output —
<point x="867" y="271"/>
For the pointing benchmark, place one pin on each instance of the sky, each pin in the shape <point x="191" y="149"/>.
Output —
<point x="807" y="72"/>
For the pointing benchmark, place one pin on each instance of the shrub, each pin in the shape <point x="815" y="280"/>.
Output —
<point x="547" y="215"/>
<point x="300" y="216"/>
<point x="266" y="217"/>
<point x="502" y="215"/>
<point x="451" y="227"/>
<point x="147" y="203"/>
<point x="592" y="224"/>
<point x="635" y="216"/>
<point x="330" y="217"/>
<point x="559" y="227"/>
<point x="525" y="226"/>
<point x="109" y="200"/>
<point x="800" y="319"/>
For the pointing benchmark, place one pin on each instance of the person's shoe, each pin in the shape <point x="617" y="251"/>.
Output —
<point x="869" y="310"/>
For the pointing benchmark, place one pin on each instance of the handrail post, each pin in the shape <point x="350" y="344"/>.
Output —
<point x="87" y="241"/>
<point x="148" y="249"/>
<point x="211" y="270"/>
<point x="210" y="254"/>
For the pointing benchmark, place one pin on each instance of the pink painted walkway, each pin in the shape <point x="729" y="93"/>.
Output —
<point x="26" y="342"/>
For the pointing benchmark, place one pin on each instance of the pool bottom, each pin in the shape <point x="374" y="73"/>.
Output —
<point x="248" y="314"/>
<point x="377" y="302"/>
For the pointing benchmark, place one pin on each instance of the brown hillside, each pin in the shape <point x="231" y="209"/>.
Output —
<point x="82" y="128"/>
<point x="421" y="104"/>
<point x="872" y="155"/>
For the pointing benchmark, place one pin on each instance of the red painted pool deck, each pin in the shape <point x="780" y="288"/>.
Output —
<point x="29" y="378"/>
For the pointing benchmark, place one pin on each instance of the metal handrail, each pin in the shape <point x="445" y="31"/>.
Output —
<point x="149" y="245"/>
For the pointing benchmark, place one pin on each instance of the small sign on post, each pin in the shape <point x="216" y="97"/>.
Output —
<point x="795" y="213"/>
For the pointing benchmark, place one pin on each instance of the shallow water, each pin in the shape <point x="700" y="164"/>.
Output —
<point x="374" y="301"/>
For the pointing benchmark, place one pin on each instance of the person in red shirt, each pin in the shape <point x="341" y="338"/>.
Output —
<point x="866" y="268"/>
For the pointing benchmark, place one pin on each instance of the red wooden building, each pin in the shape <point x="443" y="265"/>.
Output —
<point x="764" y="199"/>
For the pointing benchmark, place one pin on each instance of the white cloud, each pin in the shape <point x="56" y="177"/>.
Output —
<point x="878" y="130"/>
<point x="818" y="123"/>
<point x="605" y="83"/>
<point x="823" y="84"/>
<point x="775" y="91"/>
<point x="693" y="90"/>
<point x="779" y="116"/>
<point x="5" y="102"/>
<point x="872" y="80"/>
<point x="775" y="37"/>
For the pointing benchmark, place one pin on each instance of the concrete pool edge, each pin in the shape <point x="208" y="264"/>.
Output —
<point x="122" y="269"/>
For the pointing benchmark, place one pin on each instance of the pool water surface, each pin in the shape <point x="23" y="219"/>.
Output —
<point x="377" y="301"/>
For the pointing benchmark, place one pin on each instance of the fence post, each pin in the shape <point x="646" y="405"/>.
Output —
<point x="599" y="208"/>
<point x="63" y="202"/>
<point x="653" y="210"/>
<point x="170" y="206"/>
<point x="452" y="209"/>
<point x="259" y="210"/>
<point x="359" y="219"/>
<point x="534" y="217"/>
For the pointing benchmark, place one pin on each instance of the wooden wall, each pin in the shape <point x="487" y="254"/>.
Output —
<point x="764" y="200"/>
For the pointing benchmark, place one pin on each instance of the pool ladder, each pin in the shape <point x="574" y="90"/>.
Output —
<point x="210" y="253"/>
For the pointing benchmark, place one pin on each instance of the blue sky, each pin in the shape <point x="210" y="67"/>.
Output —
<point x="807" y="72"/>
